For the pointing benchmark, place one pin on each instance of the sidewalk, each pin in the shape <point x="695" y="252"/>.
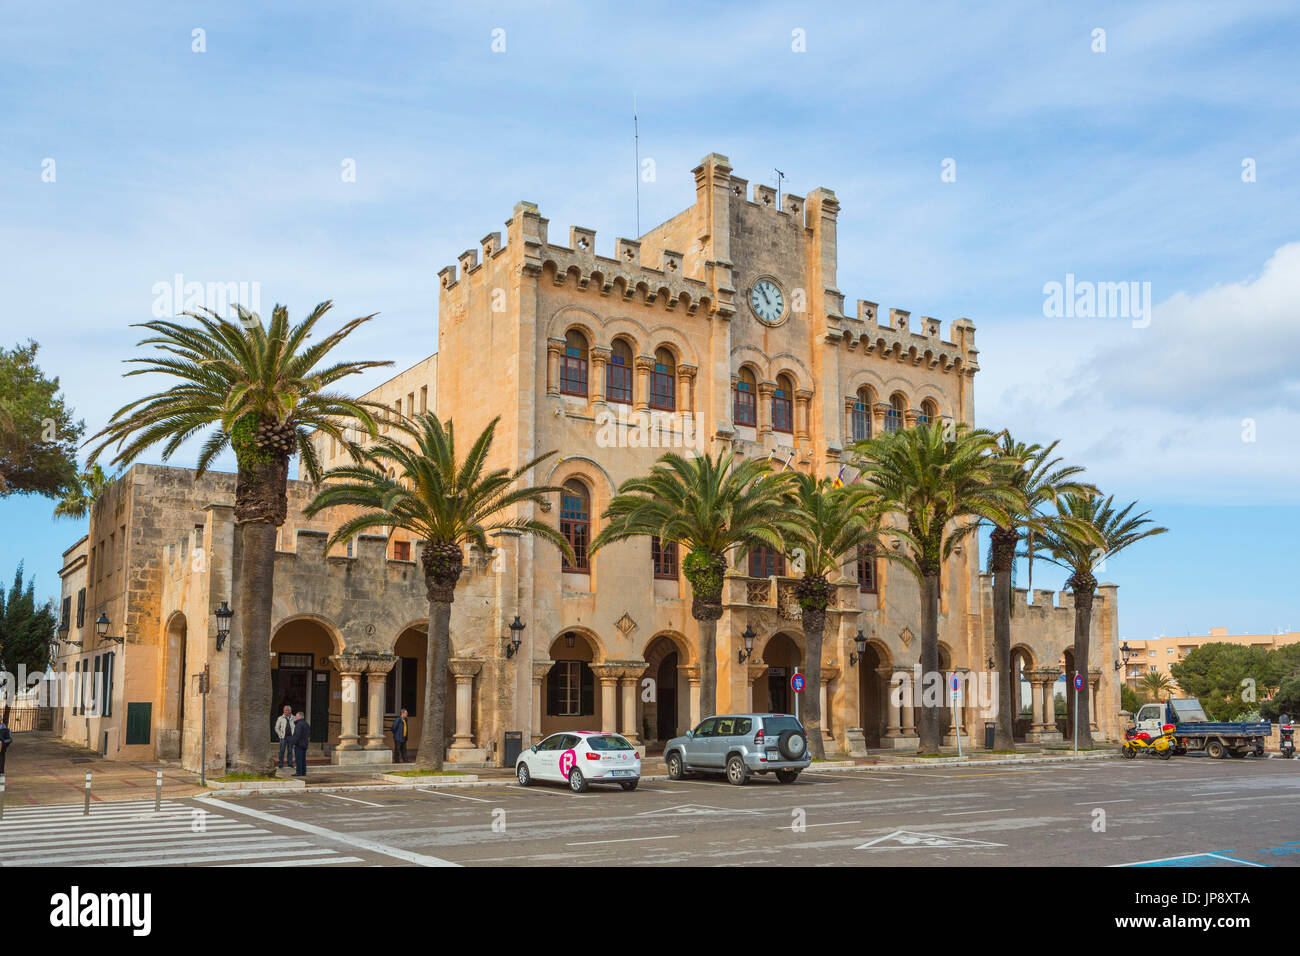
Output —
<point x="41" y="769"/>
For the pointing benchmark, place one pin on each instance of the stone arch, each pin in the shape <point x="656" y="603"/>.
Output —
<point x="625" y="327"/>
<point x="598" y="651"/>
<point x="874" y="676"/>
<point x="329" y="627"/>
<point x="677" y="639"/>
<point x="666" y="336"/>
<point x="753" y="357"/>
<point x="782" y="652"/>
<point x="171" y="724"/>
<point x="302" y="675"/>
<point x="793" y="366"/>
<point x="574" y="317"/>
<point x="867" y="377"/>
<point x="572" y="698"/>
<point x="1022" y="696"/>
<point x="667" y="657"/>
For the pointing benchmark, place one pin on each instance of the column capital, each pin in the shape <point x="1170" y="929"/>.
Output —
<point x="349" y="665"/>
<point x="688" y="372"/>
<point x="464" y="667"/>
<point x="554" y="346"/>
<point x="607" y="673"/>
<point x="541" y="669"/>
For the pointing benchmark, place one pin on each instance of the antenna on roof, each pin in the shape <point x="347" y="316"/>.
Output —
<point x="636" y="148"/>
<point x="779" y="176"/>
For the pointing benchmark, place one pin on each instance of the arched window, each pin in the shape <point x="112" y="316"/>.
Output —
<point x="618" y="374"/>
<point x="575" y="524"/>
<point x="745" y="404"/>
<point x="573" y="364"/>
<point x="929" y="412"/>
<point x="862" y="415"/>
<point x="664" y="557"/>
<point x="663" y="382"/>
<point x="764" y="562"/>
<point x="867" y="568"/>
<point x="783" y="404"/>
<point x="894" y="417"/>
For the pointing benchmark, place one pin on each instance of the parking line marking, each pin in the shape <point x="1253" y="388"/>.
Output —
<point x="459" y="796"/>
<point x="353" y="799"/>
<point x="672" y="836"/>
<point x="553" y="793"/>
<point x="810" y="825"/>
<point x="1093" y="803"/>
<point x="962" y="813"/>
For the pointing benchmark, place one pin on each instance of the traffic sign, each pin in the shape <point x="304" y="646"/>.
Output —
<point x="797" y="682"/>
<point x="1078" y="682"/>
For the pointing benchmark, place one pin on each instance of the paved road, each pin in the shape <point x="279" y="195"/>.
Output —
<point x="1189" y="811"/>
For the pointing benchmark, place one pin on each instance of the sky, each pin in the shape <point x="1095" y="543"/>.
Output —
<point x="980" y="153"/>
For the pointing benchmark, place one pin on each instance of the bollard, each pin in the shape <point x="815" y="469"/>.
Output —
<point x="157" y="794"/>
<point x="86" y="812"/>
<point x="2" y="796"/>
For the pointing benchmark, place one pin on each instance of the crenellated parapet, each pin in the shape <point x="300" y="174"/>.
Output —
<point x="922" y="346"/>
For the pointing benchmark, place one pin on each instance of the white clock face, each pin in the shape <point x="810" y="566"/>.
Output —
<point x="767" y="301"/>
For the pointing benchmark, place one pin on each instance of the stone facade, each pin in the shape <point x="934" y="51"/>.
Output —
<point x="723" y="326"/>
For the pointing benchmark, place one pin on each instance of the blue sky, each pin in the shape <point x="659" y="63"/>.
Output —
<point x="1122" y="165"/>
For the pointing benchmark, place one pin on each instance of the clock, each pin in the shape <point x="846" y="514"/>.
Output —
<point x="768" y="301"/>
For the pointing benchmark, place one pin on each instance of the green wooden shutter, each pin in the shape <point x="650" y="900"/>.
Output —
<point x="139" y="721"/>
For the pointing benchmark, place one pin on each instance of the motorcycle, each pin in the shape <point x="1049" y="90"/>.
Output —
<point x="1140" y="742"/>
<point x="1287" y="729"/>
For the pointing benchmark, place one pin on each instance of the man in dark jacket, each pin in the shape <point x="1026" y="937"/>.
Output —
<point x="6" y="738"/>
<point x="301" y="739"/>
<point x="400" y="733"/>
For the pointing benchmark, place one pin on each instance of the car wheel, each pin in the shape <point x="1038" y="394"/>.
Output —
<point x="525" y="778"/>
<point x="577" y="782"/>
<point x="787" y="776"/>
<point x="737" y="772"/>
<point x="629" y="785"/>
<point x="1214" y="749"/>
<point x="792" y="744"/>
<point x="676" y="769"/>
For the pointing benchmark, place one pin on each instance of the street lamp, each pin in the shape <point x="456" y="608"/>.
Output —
<point x="748" y="637"/>
<point x="101" y="629"/>
<point x="516" y="637"/>
<point x="859" y="641"/>
<point x="223" y="615"/>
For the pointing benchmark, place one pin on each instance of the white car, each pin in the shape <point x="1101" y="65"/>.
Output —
<point x="580" y="758"/>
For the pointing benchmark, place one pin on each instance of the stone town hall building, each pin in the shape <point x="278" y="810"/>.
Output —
<point x="724" y="326"/>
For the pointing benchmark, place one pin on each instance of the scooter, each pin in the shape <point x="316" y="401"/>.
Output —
<point x="1140" y="742"/>
<point x="1287" y="729"/>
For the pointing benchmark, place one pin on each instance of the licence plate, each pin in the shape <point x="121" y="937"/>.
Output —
<point x="773" y="755"/>
<point x="622" y="773"/>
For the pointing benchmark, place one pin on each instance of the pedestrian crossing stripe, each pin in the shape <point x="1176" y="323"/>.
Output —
<point x="132" y="833"/>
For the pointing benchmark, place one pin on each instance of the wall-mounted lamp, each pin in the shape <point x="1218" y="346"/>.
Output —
<point x="860" y="642"/>
<point x="748" y="650"/>
<point x="516" y="637"/>
<point x="223" y="615"/>
<point x="101" y="629"/>
<point x="1127" y="652"/>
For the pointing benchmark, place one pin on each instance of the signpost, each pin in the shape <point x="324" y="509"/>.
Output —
<point x="955" y="684"/>
<point x="797" y="685"/>
<point x="1078" y="684"/>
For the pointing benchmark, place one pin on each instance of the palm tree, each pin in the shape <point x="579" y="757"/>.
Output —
<point x="446" y="503"/>
<point x="824" y="525"/>
<point x="87" y="488"/>
<point x="1040" y="479"/>
<point x="263" y="390"/>
<point x="708" y="506"/>
<point x="1155" y="684"/>
<point x="1085" y="531"/>
<point x="941" y="481"/>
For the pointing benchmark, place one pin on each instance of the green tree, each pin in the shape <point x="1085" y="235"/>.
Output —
<point x="1040" y="479"/>
<point x="38" y="437"/>
<point x="1084" y="532"/>
<point x="1155" y="685"/>
<point x="86" y="489"/>
<point x="941" y="481"/>
<point x="263" y="391"/>
<point x="1129" y="699"/>
<point x="824" y="528"/>
<point x="708" y="506"/>
<point x="26" y="629"/>
<point x="1228" y="679"/>
<point x="447" y="503"/>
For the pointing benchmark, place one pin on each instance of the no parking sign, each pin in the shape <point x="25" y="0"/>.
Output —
<point x="797" y="683"/>
<point x="1078" y="681"/>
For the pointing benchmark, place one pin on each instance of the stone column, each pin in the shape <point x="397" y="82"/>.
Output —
<point x="692" y="675"/>
<point x="376" y="674"/>
<point x="627" y="682"/>
<point x="752" y="673"/>
<point x="463" y="670"/>
<point x="828" y="723"/>
<point x="878" y="412"/>
<point x="1043" y="728"/>
<point x="893" y="711"/>
<point x="911" y="417"/>
<point x="686" y="378"/>
<point x="554" y="347"/>
<point x="643" y="365"/>
<point x="802" y="398"/>
<point x="350" y="669"/>
<point x="540" y="670"/>
<point x="596" y="382"/>
<point x="1094" y="683"/>
<point x="765" y="392"/>
<point x="608" y="676"/>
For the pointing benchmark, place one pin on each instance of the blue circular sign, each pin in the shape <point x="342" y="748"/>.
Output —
<point x="1078" y="682"/>
<point x="956" y="683"/>
<point x="797" y="683"/>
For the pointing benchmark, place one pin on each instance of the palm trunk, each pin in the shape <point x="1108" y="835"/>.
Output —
<point x="814" y="627"/>
<point x="433" y="731"/>
<point x="928" y="729"/>
<point x="1082" y="627"/>
<point x="708" y="666"/>
<point x="1004" y="548"/>
<point x="706" y="572"/>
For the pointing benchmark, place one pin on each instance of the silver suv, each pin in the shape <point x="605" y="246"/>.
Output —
<point x="739" y="745"/>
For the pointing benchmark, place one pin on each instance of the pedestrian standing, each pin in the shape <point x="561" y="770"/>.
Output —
<point x="284" y="730"/>
<point x="301" y="738"/>
<point x="6" y="738"/>
<point x="400" y="733"/>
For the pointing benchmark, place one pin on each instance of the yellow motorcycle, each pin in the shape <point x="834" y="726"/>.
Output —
<point x="1140" y="742"/>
